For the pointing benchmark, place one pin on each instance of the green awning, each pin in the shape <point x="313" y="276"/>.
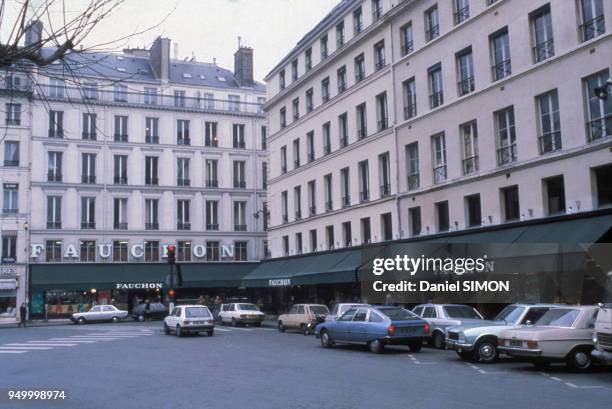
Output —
<point x="325" y="268"/>
<point x="106" y="276"/>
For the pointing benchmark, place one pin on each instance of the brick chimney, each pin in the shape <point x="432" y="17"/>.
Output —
<point x="243" y="66"/>
<point x="33" y="33"/>
<point x="159" y="58"/>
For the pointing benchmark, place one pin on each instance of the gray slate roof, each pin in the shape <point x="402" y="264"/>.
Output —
<point x="137" y="68"/>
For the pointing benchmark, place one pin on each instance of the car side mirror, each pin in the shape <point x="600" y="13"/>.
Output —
<point x="528" y="322"/>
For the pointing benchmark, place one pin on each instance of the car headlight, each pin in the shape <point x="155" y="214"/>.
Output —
<point x="461" y="336"/>
<point x="595" y="338"/>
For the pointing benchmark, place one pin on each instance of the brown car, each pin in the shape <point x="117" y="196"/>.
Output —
<point x="299" y="315"/>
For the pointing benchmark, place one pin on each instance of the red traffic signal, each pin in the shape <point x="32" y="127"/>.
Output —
<point x="171" y="254"/>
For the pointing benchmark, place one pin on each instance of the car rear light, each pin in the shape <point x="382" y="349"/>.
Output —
<point x="391" y="330"/>
<point x="532" y="344"/>
<point x="209" y="322"/>
<point x="426" y="328"/>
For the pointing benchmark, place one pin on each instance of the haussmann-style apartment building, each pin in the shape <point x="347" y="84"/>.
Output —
<point x="408" y="119"/>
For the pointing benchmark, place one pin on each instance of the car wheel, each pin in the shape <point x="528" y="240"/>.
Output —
<point x="326" y="341"/>
<point x="376" y="346"/>
<point x="81" y="321"/>
<point x="166" y="329"/>
<point x="415" y="347"/>
<point x="179" y="331"/>
<point x="438" y="340"/>
<point x="464" y="356"/>
<point x="210" y="333"/>
<point x="115" y="320"/>
<point x="485" y="351"/>
<point x="580" y="359"/>
<point x="281" y="327"/>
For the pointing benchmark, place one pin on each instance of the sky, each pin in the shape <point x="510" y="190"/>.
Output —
<point x="209" y="28"/>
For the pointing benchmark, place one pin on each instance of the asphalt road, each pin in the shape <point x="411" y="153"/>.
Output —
<point x="132" y="365"/>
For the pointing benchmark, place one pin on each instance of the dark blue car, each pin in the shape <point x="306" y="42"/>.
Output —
<point x="375" y="327"/>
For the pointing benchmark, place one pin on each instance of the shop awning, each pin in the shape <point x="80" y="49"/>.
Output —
<point x="325" y="268"/>
<point x="107" y="276"/>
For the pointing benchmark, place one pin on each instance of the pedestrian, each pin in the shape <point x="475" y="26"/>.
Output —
<point x="147" y="310"/>
<point x="22" y="315"/>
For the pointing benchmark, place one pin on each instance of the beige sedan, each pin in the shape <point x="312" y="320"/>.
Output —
<point x="299" y="315"/>
<point x="560" y="335"/>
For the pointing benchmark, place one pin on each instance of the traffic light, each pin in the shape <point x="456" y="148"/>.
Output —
<point x="171" y="254"/>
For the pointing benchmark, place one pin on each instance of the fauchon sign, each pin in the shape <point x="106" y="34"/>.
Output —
<point x="279" y="282"/>
<point x="104" y="252"/>
<point x="139" y="286"/>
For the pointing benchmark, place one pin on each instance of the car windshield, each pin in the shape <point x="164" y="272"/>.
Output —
<point x="511" y="314"/>
<point x="559" y="317"/>
<point x="318" y="309"/>
<point x="193" y="312"/>
<point x="247" y="307"/>
<point x="397" y="314"/>
<point x="461" y="311"/>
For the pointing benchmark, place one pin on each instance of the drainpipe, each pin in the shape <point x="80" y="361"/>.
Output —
<point x="395" y="121"/>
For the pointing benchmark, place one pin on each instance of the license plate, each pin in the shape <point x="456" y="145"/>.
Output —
<point x="515" y="343"/>
<point x="460" y="350"/>
<point x="407" y="331"/>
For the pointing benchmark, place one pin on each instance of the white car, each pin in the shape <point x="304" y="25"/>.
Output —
<point x="189" y="319"/>
<point x="99" y="313"/>
<point x="242" y="313"/>
<point x="340" y="308"/>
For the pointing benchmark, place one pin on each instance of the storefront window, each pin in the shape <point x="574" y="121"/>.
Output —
<point x="8" y="300"/>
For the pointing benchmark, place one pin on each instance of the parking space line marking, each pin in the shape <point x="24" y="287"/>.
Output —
<point x="72" y="340"/>
<point x="242" y="329"/>
<point x="223" y="329"/>
<point x="13" y="352"/>
<point x="44" y="344"/>
<point x="554" y="378"/>
<point x="25" y="348"/>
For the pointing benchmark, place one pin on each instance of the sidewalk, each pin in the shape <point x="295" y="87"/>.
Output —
<point x="39" y="323"/>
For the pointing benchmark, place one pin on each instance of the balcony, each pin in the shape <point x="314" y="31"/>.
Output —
<point x="380" y="64"/>
<point x="285" y="219"/>
<point x="343" y="141"/>
<point x="211" y="143"/>
<point x="212" y="183"/>
<point x="439" y="174"/>
<point x="383" y="124"/>
<point x="436" y="99"/>
<point x="183" y="226"/>
<point x="212" y="227"/>
<point x="407" y="48"/>
<point x="283" y="169"/>
<point x="327" y="149"/>
<point x="543" y="50"/>
<point x="311" y="157"/>
<point x="502" y="69"/>
<point x="89" y="179"/>
<point x="240" y="227"/>
<point x="120" y="180"/>
<point x="413" y="181"/>
<point x="120" y="226"/>
<point x="357" y="27"/>
<point x="239" y="145"/>
<point x="376" y="14"/>
<point x="309" y="107"/>
<point x="120" y="137"/>
<point x="11" y="163"/>
<point x="465" y="86"/>
<point x="296" y="164"/>
<point x="56" y="133"/>
<point x="239" y="184"/>
<point x="13" y="121"/>
<point x="151" y="226"/>
<point x="470" y="165"/>
<point x="410" y="111"/>
<point x="360" y="75"/>
<point x="183" y="182"/>
<point x="432" y="32"/>
<point x="362" y="133"/>
<point x="88" y="225"/>
<point x="599" y="128"/>
<point x="183" y="141"/>
<point x="462" y="15"/>
<point x="10" y="210"/>
<point x="364" y="196"/>
<point x="506" y="154"/>
<point x="152" y="139"/>
<point x="125" y="98"/>
<point x="54" y="177"/>
<point x="346" y="201"/>
<point x="54" y="225"/>
<point x="341" y="86"/>
<point x="340" y="42"/>
<point x="550" y="142"/>
<point x="298" y="215"/>
<point x="89" y="136"/>
<point x="151" y="181"/>
<point x="329" y="206"/>
<point x="312" y="211"/>
<point x="592" y="28"/>
<point x="385" y="190"/>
